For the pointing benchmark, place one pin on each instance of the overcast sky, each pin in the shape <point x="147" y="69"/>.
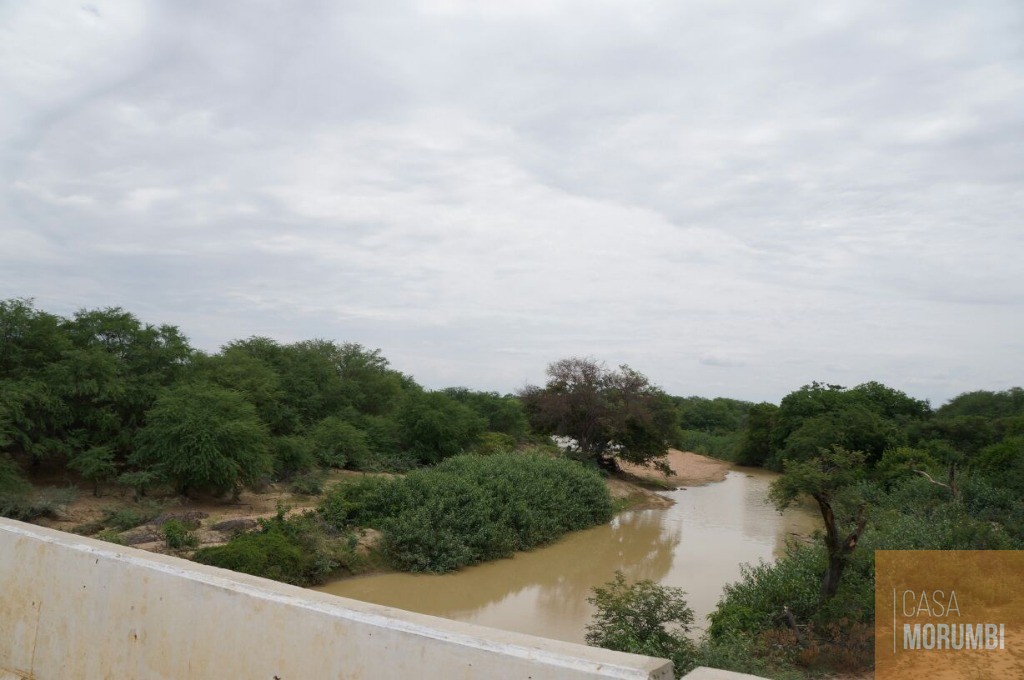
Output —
<point x="734" y="198"/>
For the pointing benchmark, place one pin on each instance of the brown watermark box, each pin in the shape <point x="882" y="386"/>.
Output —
<point x="956" y="614"/>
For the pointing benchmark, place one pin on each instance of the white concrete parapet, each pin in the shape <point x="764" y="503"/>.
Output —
<point x="74" y="608"/>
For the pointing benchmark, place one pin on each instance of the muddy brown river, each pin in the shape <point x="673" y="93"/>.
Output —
<point x="698" y="544"/>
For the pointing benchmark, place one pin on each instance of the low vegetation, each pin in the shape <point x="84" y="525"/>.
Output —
<point x="301" y="550"/>
<point x="470" y="509"/>
<point x="643" y="618"/>
<point x="123" y="407"/>
<point x="885" y="472"/>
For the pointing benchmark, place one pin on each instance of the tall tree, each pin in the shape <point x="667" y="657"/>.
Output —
<point x="199" y="436"/>
<point x="607" y="414"/>
<point x="114" y="374"/>
<point x="434" y="426"/>
<point x="829" y="478"/>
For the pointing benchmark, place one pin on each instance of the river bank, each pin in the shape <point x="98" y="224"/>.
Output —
<point x="216" y="520"/>
<point x="697" y="541"/>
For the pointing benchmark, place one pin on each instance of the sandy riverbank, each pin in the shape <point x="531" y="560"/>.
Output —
<point x="688" y="468"/>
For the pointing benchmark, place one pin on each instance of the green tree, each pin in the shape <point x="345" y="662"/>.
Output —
<point x="829" y="478"/>
<point x="504" y="414"/>
<point x="369" y="384"/>
<point x="35" y="417"/>
<point x="986" y="404"/>
<point x="199" y="436"/>
<point x="338" y="443"/>
<point x="292" y="454"/>
<point x="954" y="441"/>
<point x="712" y="416"/>
<point x="256" y="378"/>
<point x="642" y="618"/>
<point x="852" y="427"/>
<point x="434" y="426"/>
<point x="607" y="414"/>
<point x="96" y="465"/>
<point x="113" y="374"/>
<point x="756" y="445"/>
<point x="29" y="339"/>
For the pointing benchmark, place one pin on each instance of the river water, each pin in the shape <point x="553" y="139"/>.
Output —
<point x="697" y="544"/>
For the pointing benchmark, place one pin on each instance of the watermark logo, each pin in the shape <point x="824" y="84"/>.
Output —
<point x="949" y="614"/>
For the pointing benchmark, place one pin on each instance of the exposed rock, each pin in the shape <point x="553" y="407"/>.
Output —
<point x="143" y="534"/>
<point x="235" y="526"/>
<point x="190" y="518"/>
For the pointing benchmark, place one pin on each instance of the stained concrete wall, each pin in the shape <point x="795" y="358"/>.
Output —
<point x="75" y="608"/>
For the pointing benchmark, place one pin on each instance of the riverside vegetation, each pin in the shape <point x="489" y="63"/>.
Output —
<point x="454" y="477"/>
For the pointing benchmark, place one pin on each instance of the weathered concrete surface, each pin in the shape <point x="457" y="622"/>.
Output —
<point x="73" y="608"/>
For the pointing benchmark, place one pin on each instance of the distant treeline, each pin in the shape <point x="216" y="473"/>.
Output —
<point x="113" y="399"/>
<point x="109" y="398"/>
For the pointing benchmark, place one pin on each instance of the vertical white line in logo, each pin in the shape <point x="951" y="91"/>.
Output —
<point x="894" y="621"/>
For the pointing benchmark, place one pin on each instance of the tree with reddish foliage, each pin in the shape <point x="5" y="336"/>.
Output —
<point x="607" y="414"/>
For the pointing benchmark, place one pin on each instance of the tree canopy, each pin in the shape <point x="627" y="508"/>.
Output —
<point x="200" y="436"/>
<point x="606" y="414"/>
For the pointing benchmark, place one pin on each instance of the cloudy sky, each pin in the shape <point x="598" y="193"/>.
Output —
<point x="733" y="197"/>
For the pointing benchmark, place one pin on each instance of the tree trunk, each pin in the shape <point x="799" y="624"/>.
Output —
<point x="838" y="547"/>
<point x="830" y="584"/>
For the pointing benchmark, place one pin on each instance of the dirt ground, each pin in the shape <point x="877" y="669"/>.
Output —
<point x="690" y="469"/>
<point x="637" y="488"/>
<point x="87" y="512"/>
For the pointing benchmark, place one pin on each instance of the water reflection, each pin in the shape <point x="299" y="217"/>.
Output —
<point x="698" y="545"/>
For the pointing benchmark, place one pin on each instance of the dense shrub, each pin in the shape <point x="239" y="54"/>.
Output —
<point x="177" y="535"/>
<point x="365" y="502"/>
<point x="748" y="655"/>
<point x="723" y="446"/>
<point x="643" y="618"/>
<point x="434" y="426"/>
<point x="30" y="505"/>
<point x="470" y="508"/>
<point x="339" y="444"/>
<point x="758" y="600"/>
<point x="299" y="550"/>
<point x="309" y="483"/>
<point x="129" y="517"/>
<point x="292" y="455"/>
<point x="490" y="443"/>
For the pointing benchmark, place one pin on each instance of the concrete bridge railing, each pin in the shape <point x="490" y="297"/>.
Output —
<point x="75" y="608"/>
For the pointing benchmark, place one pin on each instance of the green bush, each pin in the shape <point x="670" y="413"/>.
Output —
<point x="490" y="443"/>
<point x="110" y="536"/>
<point x="34" y="504"/>
<point x="299" y="550"/>
<point x="744" y="655"/>
<point x="178" y="536"/>
<point x="129" y="516"/>
<point x="643" y="618"/>
<point x="309" y="483"/>
<point x="724" y="446"/>
<point x="470" y="508"/>
<point x="365" y="502"/>
<point x="292" y="455"/>
<point x="757" y="601"/>
<point x="339" y="444"/>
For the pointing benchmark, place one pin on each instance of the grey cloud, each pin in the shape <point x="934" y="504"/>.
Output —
<point x="478" y="190"/>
